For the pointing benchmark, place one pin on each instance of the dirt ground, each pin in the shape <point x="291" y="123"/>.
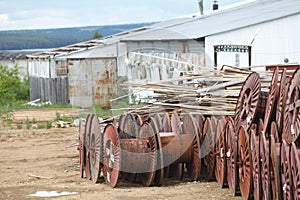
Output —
<point x="47" y="160"/>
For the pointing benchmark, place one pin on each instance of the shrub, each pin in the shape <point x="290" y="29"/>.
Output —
<point x="12" y="88"/>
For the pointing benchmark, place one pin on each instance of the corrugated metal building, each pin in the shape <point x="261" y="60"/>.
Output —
<point x="16" y="58"/>
<point x="80" y="74"/>
<point x="269" y="26"/>
<point x="76" y="73"/>
<point x="86" y="74"/>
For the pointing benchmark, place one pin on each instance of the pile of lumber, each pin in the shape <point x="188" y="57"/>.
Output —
<point x="208" y="91"/>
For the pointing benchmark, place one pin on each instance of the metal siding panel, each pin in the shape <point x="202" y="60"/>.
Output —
<point x="47" y="89"/>
<point x="161" y="46"/>
<point x="80" y="83"/>
<point x="58" y="90"/>
<point x="175" y="46"/>
<point x="132" y="46"/>
<point x="62" y="89"/>
<point x="104" y="81"/>
<point x="34" y="89"/>
<point x="275" y="41"/>
<point x="195" y="47"/>
<point x="121" y="59"/>
<point x="53" y="97"/>
<point x="42" y="95"/>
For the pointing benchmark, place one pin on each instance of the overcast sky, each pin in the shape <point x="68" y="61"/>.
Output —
<point x="36" y="14"/>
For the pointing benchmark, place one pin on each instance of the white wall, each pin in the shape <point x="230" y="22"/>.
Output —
<point x="275" y="41"/>
<point x="22" y="66"/>
<point x="39" y="68"/>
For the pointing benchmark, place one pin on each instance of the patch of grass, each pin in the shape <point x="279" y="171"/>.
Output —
<point x="100" y="112"/>
<point x="41" y="126"/>
<point x="64" y="118"/>
<point x="81" y="115"/>
<point x="11" y="106"/>
<point x="19" y="125"/>
<point x="56" y="106"/>
<point x="28" y="124"/>
<point x="119" y="104"/>
<point x="8" y="121"/>
<point x="57" y="118"/>
<point x="48" y="124"/>
<point x="34" y="121"/>
<point x="22" y="105"/>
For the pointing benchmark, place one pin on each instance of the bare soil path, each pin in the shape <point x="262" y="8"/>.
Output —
<point x="42" y="160"/>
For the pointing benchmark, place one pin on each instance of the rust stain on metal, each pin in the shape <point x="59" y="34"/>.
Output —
<point x="92" y="82"/>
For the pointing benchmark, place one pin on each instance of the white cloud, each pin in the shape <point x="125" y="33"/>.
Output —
<point x="64" y="13"/>
<point x="4" y="19"/>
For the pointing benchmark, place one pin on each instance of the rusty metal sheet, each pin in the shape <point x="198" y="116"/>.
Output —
<point x="92" y="81"/>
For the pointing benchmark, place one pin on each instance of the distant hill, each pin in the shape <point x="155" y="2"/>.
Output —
<point x="53" y="38"/>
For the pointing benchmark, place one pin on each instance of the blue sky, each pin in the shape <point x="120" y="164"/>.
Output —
<point x="36" y="14"/>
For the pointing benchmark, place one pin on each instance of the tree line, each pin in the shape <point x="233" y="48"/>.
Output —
<point x="54" y="38"/>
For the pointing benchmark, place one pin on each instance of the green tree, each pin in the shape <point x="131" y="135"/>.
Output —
<point x="97" y="35"/>
<point x="11" y="86"/>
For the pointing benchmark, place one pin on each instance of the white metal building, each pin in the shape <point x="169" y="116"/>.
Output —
<point x="269" y="27"/>
<point x="16" y="58"/>
<point x="86" y="74"/>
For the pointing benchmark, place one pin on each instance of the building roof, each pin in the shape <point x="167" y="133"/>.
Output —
<point x="241" y="15"/>
<point x="16" y="54"/>
<point x="78" y="47"/>
<point x="254" y="12"/>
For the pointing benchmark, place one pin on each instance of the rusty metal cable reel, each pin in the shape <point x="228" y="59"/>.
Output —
<point x="207" y="151"/>
<point x="148" y="157"/>
<point x="199" y="120"/>
<point x="111" y="155"/>
<point x="86" y="147"/>
<point x="166" y="122"/>
<point x="176" y="169"/>
<point x="158" y="121"/>
<point x="214" y="123"/>
<point x="291" y="126"/>
<point x="121" y="123"/>
<point x="259" y="126"/>
<point x="231" y="155"/>
<point x="81" y="130"/>
<point x="265" y="164"/>
<point x="270" y="112"/>
<point x="183" y="148"/>
<point x="128" y="127"/>
<point x="295" y="170"/>
<point x="166" y="127"/>
<point x="251" y="102"/>
<point x="194" y="165"/>
<point x="274" y="149"/>
<point x="131" y="127"/>
<point x="244" y="163"/>
<point x="254" y="148"/>
<point x="96" y="156"/>
<point x="285" y="171"/>
<point x="220" y="169"/>
<point x="284" y="81"/>
<point x="159" y="173"/>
